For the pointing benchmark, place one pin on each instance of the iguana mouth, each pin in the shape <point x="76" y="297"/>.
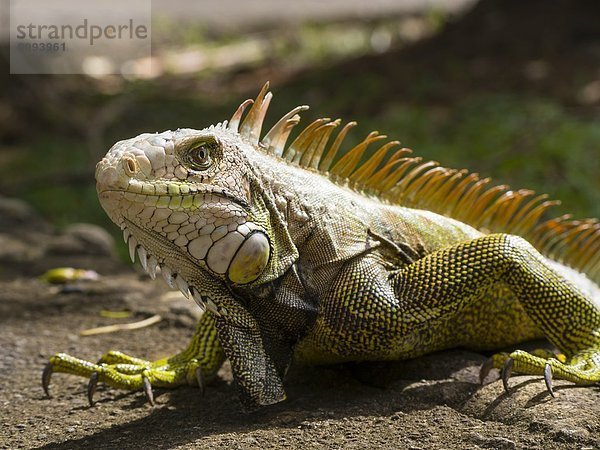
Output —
<point x="168" y="192"/>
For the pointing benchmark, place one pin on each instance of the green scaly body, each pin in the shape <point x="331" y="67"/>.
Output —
<point x="304" y="253"/>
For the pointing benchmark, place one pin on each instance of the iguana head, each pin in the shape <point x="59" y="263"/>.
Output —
<point x="188" y="200"/>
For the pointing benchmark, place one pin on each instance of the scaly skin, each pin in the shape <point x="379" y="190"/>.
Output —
<point x="293" y="262"/>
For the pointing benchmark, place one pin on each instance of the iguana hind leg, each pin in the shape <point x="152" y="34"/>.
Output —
<point x="198" y="363"/>
<point x="442" y="300"/>
<point x="451" y="278"/>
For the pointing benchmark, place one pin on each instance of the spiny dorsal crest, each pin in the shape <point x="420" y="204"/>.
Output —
<point x="390" y="174"/>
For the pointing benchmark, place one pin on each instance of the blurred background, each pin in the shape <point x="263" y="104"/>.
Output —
<point x="507" y="88"/>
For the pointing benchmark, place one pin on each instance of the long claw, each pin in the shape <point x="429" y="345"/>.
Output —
<point x="91" y="389"/>
<point x="485" y="370"/>
<point x="148" y="391"/>
<point x="506" y="372"/>
<point x="548" y="379"/>
<point x="200" y="380"/>
<point x="46" y="375"/>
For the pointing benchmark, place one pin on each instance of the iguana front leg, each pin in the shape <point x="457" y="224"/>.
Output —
<point x="195" y="365"/>
<point x="234" y="334"/>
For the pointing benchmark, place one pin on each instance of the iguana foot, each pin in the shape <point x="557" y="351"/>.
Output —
<point x="582" y="369"/>
<point x="126" y="372"/>
<point x="198" y="363"/>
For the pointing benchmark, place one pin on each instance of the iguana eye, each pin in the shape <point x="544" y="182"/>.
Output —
<point x="199" y="155"/>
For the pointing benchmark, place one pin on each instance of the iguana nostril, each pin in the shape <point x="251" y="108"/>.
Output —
<point x="130" y="166"/>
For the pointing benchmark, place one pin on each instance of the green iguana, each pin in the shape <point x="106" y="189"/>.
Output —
<point x="308" y="253"/>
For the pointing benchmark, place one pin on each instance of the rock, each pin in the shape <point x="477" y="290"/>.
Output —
<point x="31" y="246"/>
<point x="17" y="216"/>
<point x="23" y="236"/>
<point x="571" y="435"/>
<point x="13" y="250"/>
<point x="499" y="443"/>
<point x="83" y="239"/>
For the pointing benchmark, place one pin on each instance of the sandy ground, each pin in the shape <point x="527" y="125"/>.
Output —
<point x="433" y="402"/>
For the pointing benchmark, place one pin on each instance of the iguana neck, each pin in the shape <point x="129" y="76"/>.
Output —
<point x="285" y="189"/>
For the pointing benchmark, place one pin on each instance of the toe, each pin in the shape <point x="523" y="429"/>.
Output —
<point x="548" y="378"/>
<point x="46" y="375"/>
<point x="148" y="390"/>
<point x="91" y="389"/>
<point x="506" y="373"/>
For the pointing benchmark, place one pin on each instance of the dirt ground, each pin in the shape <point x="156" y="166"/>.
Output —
<point x="432" y="402"/>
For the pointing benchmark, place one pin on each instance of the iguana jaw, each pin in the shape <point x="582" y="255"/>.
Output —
<point x="209" y="230"/>
<point x="148" y="244"/>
